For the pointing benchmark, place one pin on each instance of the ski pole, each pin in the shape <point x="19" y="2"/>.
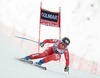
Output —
<point x="68" y="73"/>
<point x="27" y="39"/>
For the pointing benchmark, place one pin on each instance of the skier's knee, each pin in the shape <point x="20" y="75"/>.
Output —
<point x="56" y="57"/>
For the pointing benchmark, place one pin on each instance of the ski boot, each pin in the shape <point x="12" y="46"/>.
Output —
<point x="39" y="62"/>
<point x="27" y="59"/>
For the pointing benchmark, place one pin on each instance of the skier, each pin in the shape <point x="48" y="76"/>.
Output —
<point x="53" y="53"/>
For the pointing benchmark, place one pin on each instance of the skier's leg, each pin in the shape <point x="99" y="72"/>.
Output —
<point x="54" y="57"/>
<point x="40" y="55"/>
<point x="49" y="58"/>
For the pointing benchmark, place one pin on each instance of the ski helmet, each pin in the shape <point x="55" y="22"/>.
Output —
<point x="66" y="40"/>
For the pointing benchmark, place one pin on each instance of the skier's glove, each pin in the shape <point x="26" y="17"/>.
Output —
<point x="66" y="69"/>
<point x="41" y="44"/>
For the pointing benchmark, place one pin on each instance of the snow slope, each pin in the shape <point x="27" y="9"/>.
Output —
<point x="24" y="15"/>
<point x="10" y="67"/>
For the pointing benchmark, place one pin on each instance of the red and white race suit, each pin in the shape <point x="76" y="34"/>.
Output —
<point x="54" y="52"/>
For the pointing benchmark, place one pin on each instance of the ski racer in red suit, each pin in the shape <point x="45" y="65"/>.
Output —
<point x="53" y="53"/>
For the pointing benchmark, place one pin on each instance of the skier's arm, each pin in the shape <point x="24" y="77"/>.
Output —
<point x="50" y="41"/>
<point x="66" y="54"/>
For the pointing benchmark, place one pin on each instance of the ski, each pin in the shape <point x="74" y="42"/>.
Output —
<point x="23" y="60"/>
<point x="32" y="63"/>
